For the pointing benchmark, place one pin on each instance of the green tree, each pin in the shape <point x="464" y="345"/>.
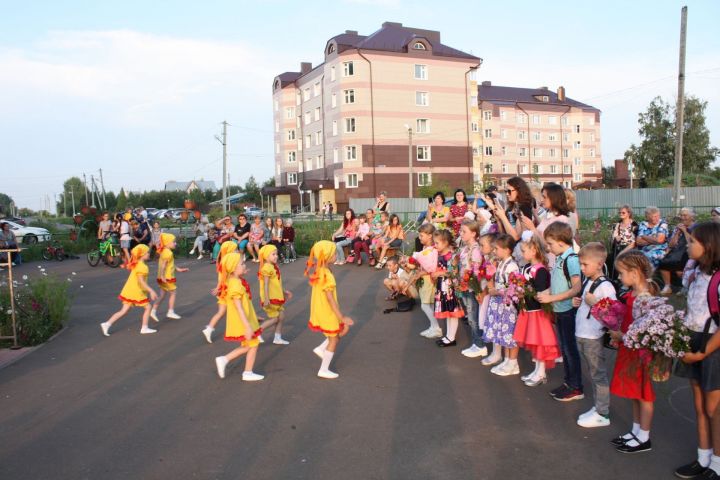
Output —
<point x="73" y="187"/>
<point x="5" y="203"/>
<point x="270" y="182"/>
<point x="608" y="177"/>
<point x="122" y="201"/>
<point x="252" y="191"/>
<point x="697" y="152"/>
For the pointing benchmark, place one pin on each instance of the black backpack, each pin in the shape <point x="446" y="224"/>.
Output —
<point x="404" y="304"/>
<point x="566" y="270"/>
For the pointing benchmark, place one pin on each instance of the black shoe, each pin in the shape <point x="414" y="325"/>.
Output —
<point x="445" y="342"/>
<point x="620" y="440"/>
<point x="559" y="390"/>
<point x="690" y="470"/>
<point x="708" y="474"/>
<point x="643" y="447"/>
<point x="569" y="395"/>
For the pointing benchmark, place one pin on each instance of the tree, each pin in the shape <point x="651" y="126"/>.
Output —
<point x="252" y="191"/>
<point x="73" y="187"/>
<point x="5" y="203"/>
<point x="121" y="203"/>
<point x="270" y="182"/>
<point x="655" y="156"/>
<point x="608" y="177"/>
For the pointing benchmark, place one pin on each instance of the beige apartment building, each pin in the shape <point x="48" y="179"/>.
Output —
<point x="397" y="110"/>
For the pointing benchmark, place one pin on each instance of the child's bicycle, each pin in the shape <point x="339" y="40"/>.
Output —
<point x="54" y="250"/>
<point x="108" y="251"/>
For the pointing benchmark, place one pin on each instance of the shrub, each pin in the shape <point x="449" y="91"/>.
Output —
<point x="42" y="307"/>
<point x="309" y="232"/>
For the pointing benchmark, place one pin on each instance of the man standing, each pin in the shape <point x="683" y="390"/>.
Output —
<point x="330" y="210"/>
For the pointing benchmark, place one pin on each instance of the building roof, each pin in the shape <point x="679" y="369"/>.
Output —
<point x="203" y="185"/>
<point x="287" y="78"/>
<point x="511" y="95"/>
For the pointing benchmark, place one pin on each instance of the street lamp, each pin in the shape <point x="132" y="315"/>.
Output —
<point x="410" y="175"/>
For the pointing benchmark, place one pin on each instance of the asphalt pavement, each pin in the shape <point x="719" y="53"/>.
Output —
<point x="152" y="407"/>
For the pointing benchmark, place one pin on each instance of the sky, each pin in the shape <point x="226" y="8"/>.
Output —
<point x="139" y="89"/>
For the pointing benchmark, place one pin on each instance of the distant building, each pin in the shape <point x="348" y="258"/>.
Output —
<point x="622" y="174"/>
<point x="187" y="187"/>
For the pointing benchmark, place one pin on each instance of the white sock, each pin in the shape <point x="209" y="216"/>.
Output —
<point x="452" y="326"/>
<point x="715" y="464"/>
<point x="497" y="352"/>
<point x="278" y="336"/>
<point x="635" y="429"/>
<point x="327" y="358"/>
<point x="510" y="362"/>
<point x="704" y="456"/>
<point x="209" y="327"/>
<point x="643" y="435"/>
<point x="324" y="344"/>
<point x="539" y="369"/>
<point x="429" y="310"/>
<point x="171" y="311"/>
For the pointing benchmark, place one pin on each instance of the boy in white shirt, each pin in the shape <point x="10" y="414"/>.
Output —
<point x="397" y="280"/>
<point x="589" y="332"/>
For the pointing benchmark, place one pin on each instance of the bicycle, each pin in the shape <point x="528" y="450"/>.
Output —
<point x="54" y="250"/>
<point x="108" y="251"/>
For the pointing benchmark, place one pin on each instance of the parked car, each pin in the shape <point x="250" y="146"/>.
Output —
<point x="18" y="220"/>
<point x="176" y="214"/>
<point x="470" y="200"/>
<point x="157" y="214"/>
<point x="28" y="235"/>
<point x="252" y="212"/>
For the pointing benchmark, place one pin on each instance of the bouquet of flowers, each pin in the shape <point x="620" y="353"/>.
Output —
<point x="520" y="290"/>
<point x="609" y="313"/>
<point x="427" y="259"/>
<point x="659" y="329"/>
<point x="487" y="271"/>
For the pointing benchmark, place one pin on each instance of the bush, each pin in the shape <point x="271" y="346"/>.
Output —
<point x="307" y="233"/>
<point x="42" y="306"/>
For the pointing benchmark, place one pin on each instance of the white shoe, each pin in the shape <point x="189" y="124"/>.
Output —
<point x="252" y="377"/>
<point x="474" y="351"/>
<point x="666" y="291"/>
<point x="146" y="330"/>
<point x="207" y="331"/>
<point x="192" y="252"/>
<point x="527" y="377"/>
<point x="221" y="363"/>
<point x="200" y="257"/>
<point x="173" y="316"/>
<point x="280" y="341"/>
<point x="425" y="332"/>
<point x="499" y="366"/>
<point x="153" y="315"/>
<point x="261" y="339"/>
<point x="105" y="328"/>
<point x="588" y="413"/>
<point x="508" y="369"/>
<point x="534" y="381"/>
<point x="434" y="333"/>
<point x="594" y="420"/>
<point x="319" y="351"/>
<point x="327" y="374"/>
<point x="487" y="361"/>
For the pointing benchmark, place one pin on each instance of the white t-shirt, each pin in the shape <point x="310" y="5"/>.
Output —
<point x="586" y="327"/>
<point x="401" y="274"/>
<point x="698" y="310"/>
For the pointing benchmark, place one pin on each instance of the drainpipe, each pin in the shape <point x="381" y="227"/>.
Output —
<point x="517" y="104"/>
<point x="562" y="157"/>
<point x="372" y="122"/>
<point x="324" y="138"/>
<point x="467" y="124"/>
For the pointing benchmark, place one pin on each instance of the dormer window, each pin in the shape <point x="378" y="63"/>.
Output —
<point x="331" y="49"/>
<point x="542" y="98"/>
<point x="419" y="46"/>
<point x="277" y="84"/>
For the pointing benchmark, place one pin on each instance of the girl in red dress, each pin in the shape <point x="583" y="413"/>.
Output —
<point x="534" y="328"/>
<point x="631" y="377"/>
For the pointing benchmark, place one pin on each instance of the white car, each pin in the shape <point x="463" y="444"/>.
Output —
<point x="28" y="235"/>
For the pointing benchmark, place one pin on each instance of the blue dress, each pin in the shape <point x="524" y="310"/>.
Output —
<point x="654" y="253"/>
<point x="501" y="318"/>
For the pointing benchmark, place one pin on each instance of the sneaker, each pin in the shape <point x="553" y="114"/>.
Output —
<point x="208" y="331"/>
<point x="173" y="316"/>
<point x="666" y="291"/>
<point x="153" y="315"/>
<point x="708" y="474"/>
<point x="691" y="470"/>
<point x="146" y="330"/>
<point x="569" y="395"/>
<point x="594" y="420"/>
<point x="221" y="363"/>
<point x="474" y="351"/>
<point x="425" y="332"/>
<point x="319" y="351"/>
<point x="191" y="252"/>
<point x="105" y="328"/>
<point x="280" y="341"/>
<point x="559" y="390"/>
<point x="588" y="413"/>
<point x="535" y="381"/>
<point x="434" y="333"/>
<point x="527" y="377"/>
<point x="327" y="374"/>
<point x="200" y="257"/>
<point x="487" y="361"/>
<point x="510" y="368"/>
<point x="252" y="377"/>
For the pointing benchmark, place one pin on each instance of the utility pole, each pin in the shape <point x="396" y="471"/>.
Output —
<point x="86" y="189"/>
<point x="680" y="111"/>
<point x="102" y="186"/>
<point x="631" y="167"/>
<point x="410" y="170"/>
<point x="92" y="190"/>
<point x="64" y="203"/>
<point x="72" y="197"/>
<point x="225" y="174"/>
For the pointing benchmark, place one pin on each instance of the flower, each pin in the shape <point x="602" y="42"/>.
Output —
<point x="609" y="313"/>
<point x="658" y="327"/>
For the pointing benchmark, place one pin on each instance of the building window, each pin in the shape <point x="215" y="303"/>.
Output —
<point x="566" y="169"/>
<point x="306" y="94"/>
<point x="521" y="151"/>
<point x="503" y="115"/>
<point x="591" y="120"/>
<point x="487" y="115"/>
<point x="521" y="135"/>
<point x="488" y="133"/>
<point x="351" y="152"/>
<point x="421" y="72"/>
<point x="577" y="161"/>
<point x="299" y="144"/>
<point x="320" y="162"/>
<point x="306" y="117"/>
<point x="348" y="69"/>
<point x="578" y="177"/>
<point x="474" y="127"/>
<point x="422" y="125"/>
<point x="349" y="96"/>
<point x="536" y="119"/>
<point x="552" y="137"/>
<point x="291" y="134"/>
<point x="567" y="184"/>
<point x="503" y="133"/>
<point x="565" y="121"/>
<point x="424" y="179"/>
<point x="352" y="180"/>
<point x="577" y="128"/>
<point x="592" y="137"/>
<point x="488" y="150"/>
<point x="289" y="113"/>
<point x="523" y="168"/>
<point x="476" y="151"/>
<point x="423" y="153"/>
<point x="332" y="74"/>
<point x="503" y="150"/>
<point x="592" y="152"/>
<point x="277" y="126"/>
<point x="551" y="153"/>
<point x="566" y="153"/>
<point x="592" y="168"/>
<point x="337" y="182"/>
<point x="317" y="113"/>
<point x="576" y="145"/>
<point x="318" y="138"/>
<point x="308" y="141"/>
<point x="292" y="178"/>
<point x="419" y="46"/>
<point x="537" y="136"/>
<point x="488" y="168"/>
<point x="277" y="147"/>
<point x="333" y="100"/>
<point x="537" y="152"/>
<point x="334" y="128"/>
<point x="308" y="164"/>
<point x="521" y="118"/>
<point x="566" y="137"/>
<point x="553" y="168"/>
<point x="422" y="99"/>
<point x="336" y="156"/>
<point x="349" y="125"/>
<point x="291" y="157"/>
<point x="298" y="98"/>
<point x="536" y="168"/>
<point x="473" y="101"/>
<point x="552" y="120"/>
<point x="316" y="89"/>
<point x="277" y="105"/>
<point x="504" y="167"/>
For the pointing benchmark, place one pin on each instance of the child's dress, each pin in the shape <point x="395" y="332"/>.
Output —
<point x="501" y="317"/>
<point x="447" y="304"/>
<point x="322" y="317"/>
<point x="256" y="233"/>
<point x="534" y="330"/>
<point x="631" y="377"/>
<point x="238" y="289"/>
<point x="132" y="293"/>
<point x="169" y="283"/>
<point x="275" y="289"/>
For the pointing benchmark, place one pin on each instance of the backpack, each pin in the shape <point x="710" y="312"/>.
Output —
<point x="566" y="270"/>
<point x="404" y="304"/>
<point x="598" y="281"/>
<point x="713" y="306"/>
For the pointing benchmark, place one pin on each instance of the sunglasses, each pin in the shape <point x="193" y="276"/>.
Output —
<point x="510" y="190"/>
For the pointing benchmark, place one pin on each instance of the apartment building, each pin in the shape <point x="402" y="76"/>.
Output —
<point x="537" y="133"/>
<point x="383" y="112"/>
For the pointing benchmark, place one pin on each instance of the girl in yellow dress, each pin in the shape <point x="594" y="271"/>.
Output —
<point x="241" y="323"/>
<point x="325" y="315"/>
<point x="272" y="295"/>
<point x="166" y="276"/>
<point x="219" y="290"/>
<point x="136" y="290"/>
